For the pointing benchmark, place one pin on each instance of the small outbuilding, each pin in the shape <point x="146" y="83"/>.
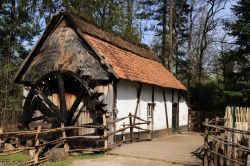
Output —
<point x="75" y="58"/>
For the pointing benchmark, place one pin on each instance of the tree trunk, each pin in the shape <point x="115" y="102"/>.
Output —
<point x="164" y="33"/>
<point x="170" y="55"/>
<point x="130" y="15"/>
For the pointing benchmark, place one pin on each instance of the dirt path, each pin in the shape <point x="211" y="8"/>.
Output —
<point x="171" y="150"/>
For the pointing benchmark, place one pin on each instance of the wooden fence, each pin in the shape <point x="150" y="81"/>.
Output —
<point x="40" y="141"/>
<point x="221" y="146"/>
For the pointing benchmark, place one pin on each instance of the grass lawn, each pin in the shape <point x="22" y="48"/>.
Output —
<point x="20" y="158"/>
<point x="13" y="159"/>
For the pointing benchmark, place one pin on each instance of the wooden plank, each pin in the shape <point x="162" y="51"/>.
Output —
<point x="87" y="137"/>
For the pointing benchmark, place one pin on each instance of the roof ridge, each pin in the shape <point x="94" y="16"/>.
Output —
<point x="139" y="44"/>
<point x="111" y="37"/>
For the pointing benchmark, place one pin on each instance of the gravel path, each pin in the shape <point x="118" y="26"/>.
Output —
<point x="170" y="150"/>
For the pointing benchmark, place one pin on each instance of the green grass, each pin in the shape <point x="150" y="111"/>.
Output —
<point x="14" y="159"/>
<point x="72" y="158"/>
<point x="20" y="158"/>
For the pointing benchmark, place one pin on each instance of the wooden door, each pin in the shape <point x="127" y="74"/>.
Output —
<point x="174" y="117"/>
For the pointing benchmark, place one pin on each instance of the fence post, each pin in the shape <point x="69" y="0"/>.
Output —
<point x="131" y="128"/>
<point x="123" y="132"/>
<point x="149" y="131"/>
<point x="105" y="131"/>
<point x="66" y="146"/>
<point x="37" y="142"/>
<point x="1" y="131"/>
<point x="216" y="147"/>
<point x="248" y="156"/>
<point x="205" y="160"/>
<point x="229" y="147"/>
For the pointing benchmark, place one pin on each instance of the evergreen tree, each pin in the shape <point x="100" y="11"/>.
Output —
<point x="18" y="26"/>
<point x="115" y="16"/>
<point x="237" y="61"/>
<point x="158" y="11"/>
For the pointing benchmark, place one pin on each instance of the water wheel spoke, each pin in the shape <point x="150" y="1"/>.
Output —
<point x="76" y="104"/>
<point x="49" y="104"/>
<point x="61" y="92"/>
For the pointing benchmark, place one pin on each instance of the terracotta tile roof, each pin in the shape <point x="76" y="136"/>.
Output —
<point x="132" y="67"/>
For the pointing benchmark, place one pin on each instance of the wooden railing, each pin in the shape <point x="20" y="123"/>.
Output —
<point x="40" y="141"/>
<point x="222" y="147"/>
<point x="131" y="125"/>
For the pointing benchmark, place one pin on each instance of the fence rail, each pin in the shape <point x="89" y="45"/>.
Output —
<point x="221" y="147"/>
<point x="63" y="137"/>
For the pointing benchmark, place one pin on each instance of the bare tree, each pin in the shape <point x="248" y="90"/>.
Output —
<point x="204" y="22"/>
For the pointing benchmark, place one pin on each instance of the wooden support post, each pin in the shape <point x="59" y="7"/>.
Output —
<point x="221" y="159"/>
<point x="123" y="132"/>
<point x="131" y="128"/>
<point x="248" y="156"/>
<point x="149" y="131"/>
<point x="166" y="110"/>
<point x="37" y="142"/>
<point x="216" y="145"/>
<point x="205" y="160"/>
<point x="229" y="147"/>
<point x="61" y="92"/>
<point x="104" y="118"/>
<point x="66" y="146"/>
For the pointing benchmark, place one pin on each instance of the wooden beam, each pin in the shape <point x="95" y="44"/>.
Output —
<point x="75" y="105"/>
<point x="138" y="101"/>
<point x="48" y="103"/>
<point x="61" y="92"/>
<point x="137" y="106"/>
<point x="152" y="112"/>
<point x="177" y="111"/>
<point x="166" y="109"/>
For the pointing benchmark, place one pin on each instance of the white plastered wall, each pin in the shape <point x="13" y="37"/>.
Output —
<point x="127" y="100"/>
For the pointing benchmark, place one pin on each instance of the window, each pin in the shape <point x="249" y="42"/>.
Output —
<point x="150" y="109"/>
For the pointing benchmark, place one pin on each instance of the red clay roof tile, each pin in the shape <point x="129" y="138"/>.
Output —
<point x="132" y="67"/>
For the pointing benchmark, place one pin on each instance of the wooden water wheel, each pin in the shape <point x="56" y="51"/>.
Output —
<point x="49" y="102"/>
